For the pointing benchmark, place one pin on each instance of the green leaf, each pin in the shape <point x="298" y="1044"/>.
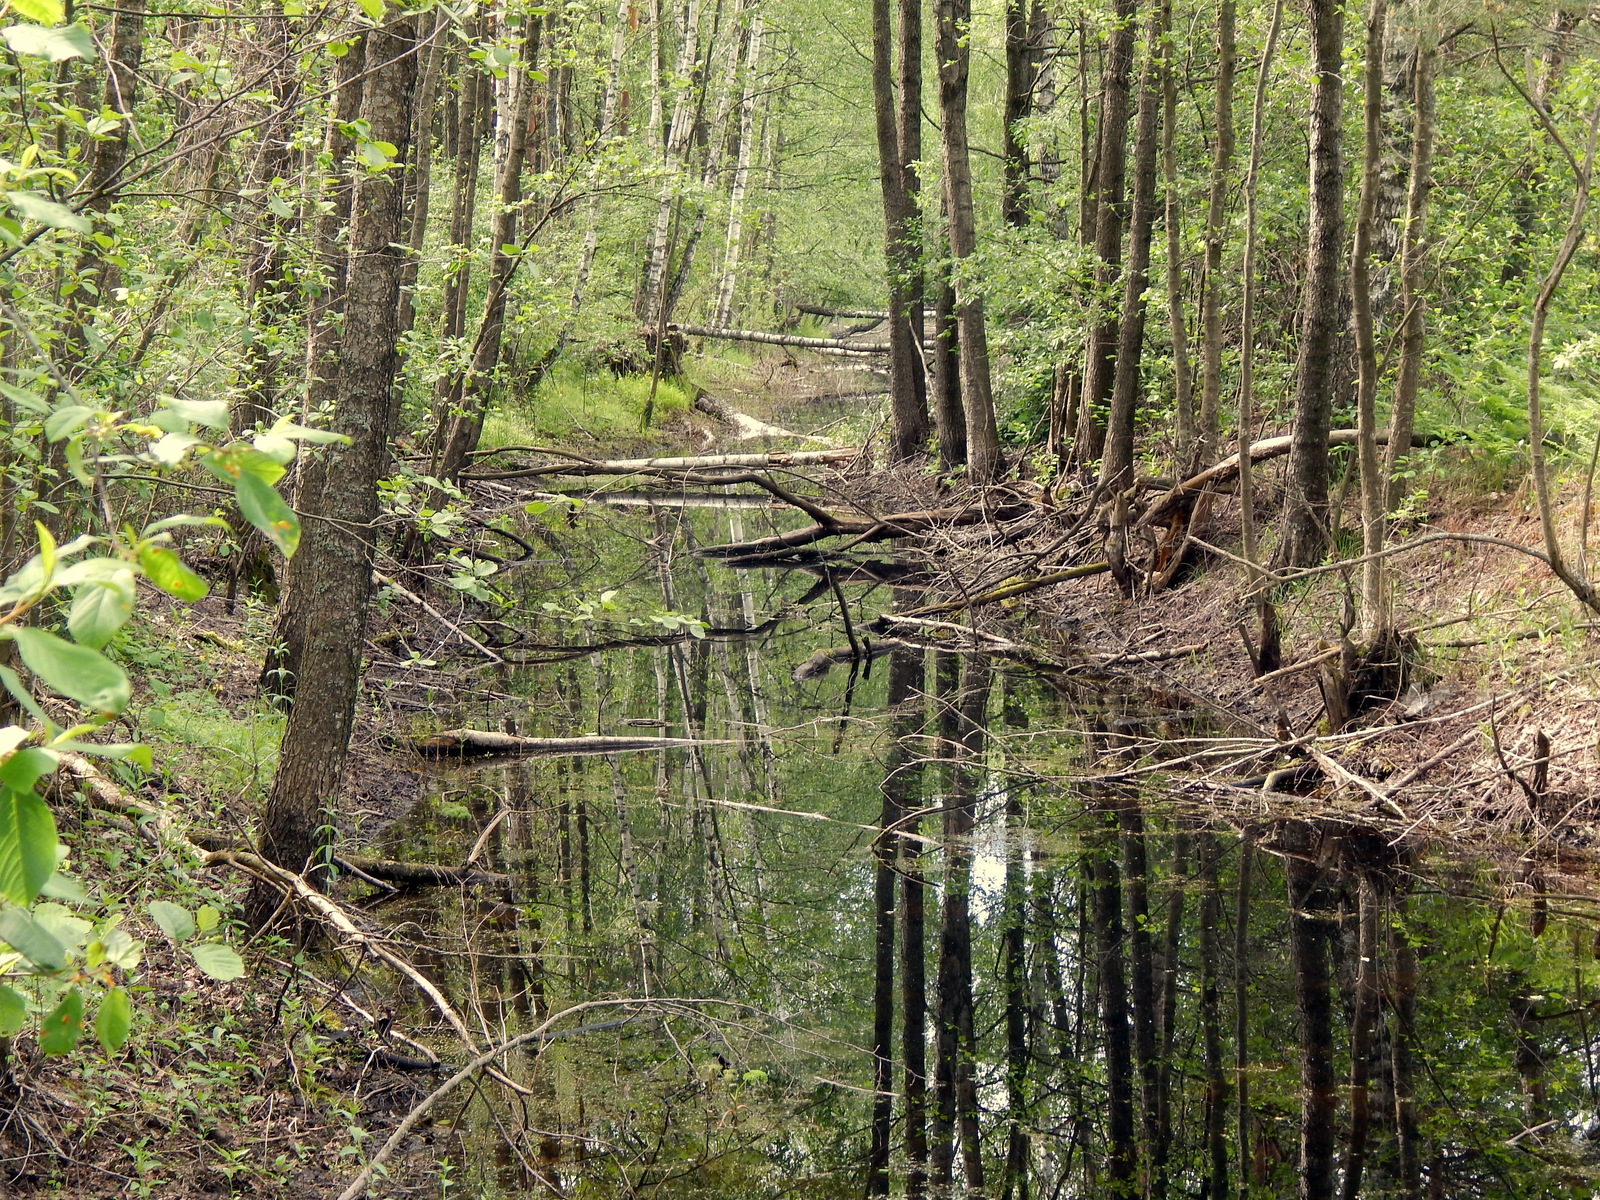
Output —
<point x="45" y="12"/>
<point x="67" y="419"/>
<point x="64" y="887"/>
<point x="26" y="400"/>
<point x="266" y="510"/>
<point x="36" y="206"/>
<point x="165" y="569"/>
<point x="217" y="960"/>
<point x="79" y="672"/>
<point x="60" y="1031"/>
<point x="373" y="8"/>
<point x="31" y="940"/>
<point x="211" y="413"/>
<point x="206" y="919"/>
<point x="13" y="1012"/>
<point x="230" y="465"/>
<point x="112" y="1021"/>
<point x="100" y="609"/>
<point x="27" y="844"/>
<point x="304" y="433"/>
<point x="174" y="919"/>
<point x="26" y="767"/>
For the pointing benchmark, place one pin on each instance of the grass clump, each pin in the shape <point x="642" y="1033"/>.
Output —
<point x="571" y="402"/>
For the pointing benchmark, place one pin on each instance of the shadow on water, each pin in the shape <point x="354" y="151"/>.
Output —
<point x="928" y="924"/>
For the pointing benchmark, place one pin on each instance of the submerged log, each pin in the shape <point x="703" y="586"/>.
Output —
<point x="468" y="743"/>
<point x="703" y="462"/>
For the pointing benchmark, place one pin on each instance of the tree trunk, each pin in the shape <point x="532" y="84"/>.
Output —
<point x="1408" y="1137"/>
<point x="472" y="114"/>
<point x="419" y="179"/>
<point x="1215" y="1154"/>
<point x="899" y="781"/>
<point x="1142" y="982"/>
<point x="1241" y="998"/>
<point x="908" y="405"/>
<point x="1014" y="971"/>
<point x="1121" y="1154"/>
<point x="1267" y="646"/>
<point x="1020" y="69"/>
<point x="280" y="673"/>
<point x="1116" y="467"/>
<point x="1362" y="1026"/>
<point x="733" y="241"/>
<point x="1309" y="918"/>
<point x="1167" y="1009"/>
<point x="474" y="385"/>
<point x="1305" y="514"/>
<point x="1413" y="261"/>
<point x="1209" y="433"/>
<point x="1182" y="371"/>
<point x="1110" y="208"/>
<point x="674" y="147"/>
<point x="949" y="413"/>
<point x="330" y="577"/>
<point x="1375" y="619"/>
<point x="984" y="461"/>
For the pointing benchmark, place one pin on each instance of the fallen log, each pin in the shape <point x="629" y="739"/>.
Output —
<point x="856" y="314"/>
<point x="1275" y="447"/>
<point x="795" y="340"/>
<point x="638" y="466"/>
<point x="868" y="529"/>
<point x="469" y="743"/>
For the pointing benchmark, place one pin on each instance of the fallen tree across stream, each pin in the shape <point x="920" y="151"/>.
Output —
<point x="640" y="466"/>
<point x="469" y="743"/>
<point x="794" y="340"/>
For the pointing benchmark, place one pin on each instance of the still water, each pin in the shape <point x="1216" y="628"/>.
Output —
<point x="910" y="922"/>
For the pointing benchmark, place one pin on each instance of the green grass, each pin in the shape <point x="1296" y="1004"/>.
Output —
<point x="571" y="402"/>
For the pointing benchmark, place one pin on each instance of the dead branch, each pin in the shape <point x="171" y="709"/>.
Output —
<point x="643" y="466"/>
<point x="469" y="743"/>
<point x="721" y="333"/>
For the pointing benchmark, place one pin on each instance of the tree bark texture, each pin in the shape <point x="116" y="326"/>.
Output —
<point x="1116" y="467"/>
<point x="908" y="406"/>
<point x="984" y="461"/>
<point x="330" y="577"/>
<point x="1110" y="213"/>
<point x="1309" y="936"/>
<point x="1305" y="515"/>
<point x="1208" y="433"/>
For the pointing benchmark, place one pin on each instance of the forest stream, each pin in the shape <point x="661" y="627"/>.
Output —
<point x="946" y="878"/>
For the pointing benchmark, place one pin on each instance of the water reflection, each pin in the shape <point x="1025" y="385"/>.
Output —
<point x="939" y="926"/>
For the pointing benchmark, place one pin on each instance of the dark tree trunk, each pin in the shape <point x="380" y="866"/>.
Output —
<point x="1020" y="71"/>
<point x="1116" y="468"/>
<point x="1305" y="516"/>
<point x="908" y="401"/>
<point x="1408" y="1136"/>
<point x="949" y="413"/>
<point x="1014" y="968"/>
<point x="899" y="782"/>
<point x="472" y="387"/>
<point x="1110" y="209"/>
<point x="984" y="461"/>
<point x="1208" y="433"/>
<point x="1362" y="1026"/>
<point x="1309" y="917"/>
<point x="1142" y="980"/>
<point x="330" y="577"/>
<point x="1121" y="1152"/>
<point x="1241" y="1011"/>
<point x="913" y="968"/>
<point x="1413" y="258"/>
<point x="1216" y="1093"/>
<point x="470" y="129"/>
